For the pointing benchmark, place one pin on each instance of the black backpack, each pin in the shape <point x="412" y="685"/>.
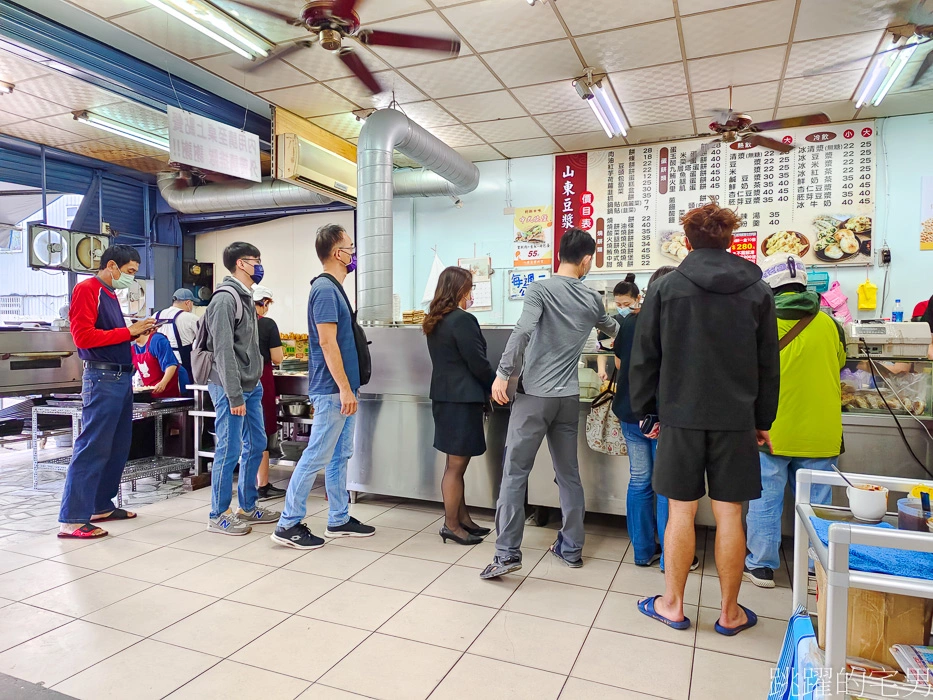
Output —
<point x="363" y="357"/>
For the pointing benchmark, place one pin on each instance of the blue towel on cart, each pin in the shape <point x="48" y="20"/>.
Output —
<point x="881" y="560"/>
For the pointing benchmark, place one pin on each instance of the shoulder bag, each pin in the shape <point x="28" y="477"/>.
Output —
<point x="603" y="430"/>
<point x="363" y="356"/>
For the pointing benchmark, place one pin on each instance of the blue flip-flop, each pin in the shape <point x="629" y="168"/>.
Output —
<point x="732" y="631"/>
<point x="646" y="607"/>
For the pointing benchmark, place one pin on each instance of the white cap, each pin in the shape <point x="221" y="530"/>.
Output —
<point x="782" y="269"/>
<point x="260" y="293"/>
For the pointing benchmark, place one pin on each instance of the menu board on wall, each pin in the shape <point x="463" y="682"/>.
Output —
<point x="816" y="201"/>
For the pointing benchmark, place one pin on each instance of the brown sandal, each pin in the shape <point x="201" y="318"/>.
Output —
<point x="85" y="532"/>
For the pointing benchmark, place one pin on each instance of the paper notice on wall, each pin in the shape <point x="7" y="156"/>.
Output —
<point x="210" y="145"/>
<point x="520" y="279"/>
<point x="480" y="268"/>
<point x="926" y="213"/>
<point x="534" y="230"/>
<point x="482" y="296"/>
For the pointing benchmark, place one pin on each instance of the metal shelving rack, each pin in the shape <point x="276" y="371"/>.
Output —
<point x="835" y="561"/>
<point x="156" y="466"/>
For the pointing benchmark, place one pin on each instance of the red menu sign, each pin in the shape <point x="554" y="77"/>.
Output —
<point x="745" y="245"/>
<point x="569" y="199"/>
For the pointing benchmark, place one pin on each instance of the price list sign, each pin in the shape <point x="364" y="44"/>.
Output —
<point x="816" y="201"/>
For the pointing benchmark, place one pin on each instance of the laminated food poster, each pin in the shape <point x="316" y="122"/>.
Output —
<point x="534" y="228"/>
<point x="816" y="201"/>
<point x="926" y="213"/>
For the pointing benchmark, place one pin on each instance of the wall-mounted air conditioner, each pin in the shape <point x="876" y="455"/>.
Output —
<point x="315" y="168"/>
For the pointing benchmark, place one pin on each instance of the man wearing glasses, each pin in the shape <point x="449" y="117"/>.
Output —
<point x="235" y="390"/>
<point x="333" y="383"/>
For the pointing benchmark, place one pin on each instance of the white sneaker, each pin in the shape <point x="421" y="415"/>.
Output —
<point x="228" y="524"/>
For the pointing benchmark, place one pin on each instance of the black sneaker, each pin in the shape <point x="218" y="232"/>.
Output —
<point x="572" y="563"/>
<point x="351" y="528"/>
<point x="298" y="536"/>
<point x="501" y="567"/>
<point x="269" y="492"/>
<point x="763" y="577"/>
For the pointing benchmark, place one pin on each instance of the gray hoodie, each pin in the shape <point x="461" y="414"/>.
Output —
<point x="237" y="360"/>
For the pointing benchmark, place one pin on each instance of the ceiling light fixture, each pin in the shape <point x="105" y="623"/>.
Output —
<point x="885" y="72"/>
<point x="363" y="114"/>
<point x="603" y="102"/>
<point x="211" y="22"/>
<point x="6" y="88"/>
<point x="120" y="129"/>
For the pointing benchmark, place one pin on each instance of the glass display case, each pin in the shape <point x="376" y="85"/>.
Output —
<point x="884" y="384"/>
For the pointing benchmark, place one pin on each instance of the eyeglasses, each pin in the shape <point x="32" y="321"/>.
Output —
<point x="351" y="248"/>
<point x="252" y="261"/>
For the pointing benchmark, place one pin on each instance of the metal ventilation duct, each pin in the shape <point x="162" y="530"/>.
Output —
<point x="237" y="195"/>
<point x="385" y="131"/>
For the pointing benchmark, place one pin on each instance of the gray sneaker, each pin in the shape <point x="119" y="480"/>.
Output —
<point x="258" y="515"/>
<point x="228" y="524"/>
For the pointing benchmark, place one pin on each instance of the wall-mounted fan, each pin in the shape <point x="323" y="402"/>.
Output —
<point x="132" y="300"/>
<point x="49" y="248"/>
<point x="87" y="250"/>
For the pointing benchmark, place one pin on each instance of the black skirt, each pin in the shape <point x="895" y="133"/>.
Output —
<point x="458" y="428"/>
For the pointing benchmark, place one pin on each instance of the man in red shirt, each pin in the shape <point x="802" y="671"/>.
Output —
<point x="103" y="341"/>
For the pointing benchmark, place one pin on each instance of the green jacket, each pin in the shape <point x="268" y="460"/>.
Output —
<point x="809" y="418"/>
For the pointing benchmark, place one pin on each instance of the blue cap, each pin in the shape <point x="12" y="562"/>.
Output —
<point x="184" y="295"/>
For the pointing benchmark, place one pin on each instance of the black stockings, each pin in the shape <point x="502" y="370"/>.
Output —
<point x="455" y="509"/>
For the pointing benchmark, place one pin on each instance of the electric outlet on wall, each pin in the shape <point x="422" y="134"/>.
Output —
<point x="885" y="257"/>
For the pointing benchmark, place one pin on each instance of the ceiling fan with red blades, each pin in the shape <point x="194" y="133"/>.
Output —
<point x="735" y="127"/>
<point x="333" y="22"/>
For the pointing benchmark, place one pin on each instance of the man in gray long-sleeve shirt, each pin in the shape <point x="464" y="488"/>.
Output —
<point x="557" y="319"/>
<point x="236" y="393"/>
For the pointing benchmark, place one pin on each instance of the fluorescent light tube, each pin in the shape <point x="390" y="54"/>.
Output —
<point x="875" y="78"/>
<point x="900" y="63"/>
<point x="598" y="111"/>
<point x="195" y="14"/>
<point x="6" y="88"/>
<point x="611" y="109"/>
<point x="115" y="127"/>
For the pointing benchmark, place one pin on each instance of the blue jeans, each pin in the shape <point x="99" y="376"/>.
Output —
<point x="764" y="514"/>
<point x="646" y="514"/>
<point x="330" y="447"/>
<point x="239" y="439"/>
<point x="100" y="452"/>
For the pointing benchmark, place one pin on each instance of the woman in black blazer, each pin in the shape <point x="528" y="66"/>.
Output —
<point x="461" y="382"/>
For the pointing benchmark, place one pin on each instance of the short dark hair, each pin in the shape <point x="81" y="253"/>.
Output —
<point x="710" y="226"/>
<point x="575" y="245"/>
<point x="238" y="251"/>
<point x="659" y="273"/>
<point x="120" y="254"/>
<point x="627" y="287"/>
<point x="328" y="237"/>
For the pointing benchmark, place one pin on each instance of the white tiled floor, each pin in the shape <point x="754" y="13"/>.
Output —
<point x="164" y="609"/>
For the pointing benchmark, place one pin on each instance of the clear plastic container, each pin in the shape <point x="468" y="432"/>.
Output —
<point x="910" y="515"/>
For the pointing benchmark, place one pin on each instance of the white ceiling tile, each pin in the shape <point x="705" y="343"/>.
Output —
<point x="498" y="24"/>
<point x="648" y="83"/>
<point x="527" y="148"/>
<point x="745" y="98"/>
<point x="459" y="76"/>
<point x="819" y="18"/>
<point x="484" y="106"/>
<point x="661" y="132"/>
<point x="737" y="68"/>
<point x="323" y="65"/>
<point x="456" y="136"/>
<point x="308" y="100"/>
<point x="689" y="7"/>
<point x="70" y="92"/>
<point x="172" y="34"/>
<point x="269" y="76"/>
<point x="905" y="103"/>
<point x="832" y="55"/>
<point x="572" y="121"/>
<point x="22" y="104"/>
<point x="508" y="129"/>
<point x="828" y="87"/>
<point x="377" y="10"/>
<point x="14" y="68"/>
<point x="109" y="8"/>
<point x="428" y="114"/>
<point x="392" y="83"/>
<point x="757" y="115"/>
<point x="662" y="109"/>
<point x="345" y="125"/>
<point x="551" y="97"/>
<point x="134" y="114"/>
<point x="67" y="122"/>
<point x="588" y="142"/>
<point x="477" y="154"/>
<point x="541" y="63"/>
<point x="8" y="118"/>
<point x="586" y="16"/>
<point x="424" y="24"/>
<point x="38" y="132"/>
<point x="635" y="47"/>
<point x="737" y="29"/>
<point x="272" y="28"/>
<point x="840" y="111"/>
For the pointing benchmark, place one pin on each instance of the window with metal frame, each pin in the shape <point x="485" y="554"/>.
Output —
<point x="11" y="306"/>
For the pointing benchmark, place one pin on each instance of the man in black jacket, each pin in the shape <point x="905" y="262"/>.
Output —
<point x="705" y="364"/>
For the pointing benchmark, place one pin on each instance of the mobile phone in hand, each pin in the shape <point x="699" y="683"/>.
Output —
<point x="648" y="424"/>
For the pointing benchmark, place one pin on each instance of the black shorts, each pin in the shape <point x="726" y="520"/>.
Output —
<point x="727" y="460"/>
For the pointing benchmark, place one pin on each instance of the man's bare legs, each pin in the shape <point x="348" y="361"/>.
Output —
<point x="730" y="560"/>
<point x="679" y="549"/>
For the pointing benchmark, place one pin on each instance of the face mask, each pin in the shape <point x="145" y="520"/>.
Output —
<point x="351" y="266"/>
<point x="624" y="311"/>
<point x="124" y="281"/>
<point x="469" y="303"/>
<point x="258" y="273"/>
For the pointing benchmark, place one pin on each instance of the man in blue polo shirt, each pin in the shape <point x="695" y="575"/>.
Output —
<point x="333" y="383"/>
<point x="103" y="341"/>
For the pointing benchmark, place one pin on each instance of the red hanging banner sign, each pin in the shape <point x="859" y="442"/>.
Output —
<point x="569" y="197"/>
